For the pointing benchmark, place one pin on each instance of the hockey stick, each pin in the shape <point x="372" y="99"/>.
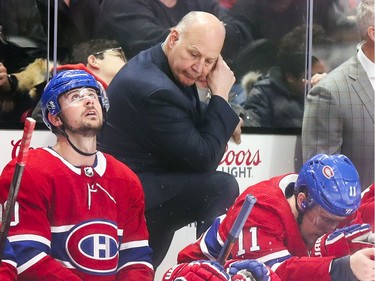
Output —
<point x="16" y="181"/>
<point x="236" y="228"/>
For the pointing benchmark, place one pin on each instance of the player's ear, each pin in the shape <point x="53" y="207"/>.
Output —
<point x="54" y="120"/>
<point x="301" y="201"/>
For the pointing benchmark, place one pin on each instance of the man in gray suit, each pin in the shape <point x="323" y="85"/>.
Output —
<point x="339" y="110"/>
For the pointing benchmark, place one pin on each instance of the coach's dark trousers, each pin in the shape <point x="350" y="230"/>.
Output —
<point x="177" y="199"/>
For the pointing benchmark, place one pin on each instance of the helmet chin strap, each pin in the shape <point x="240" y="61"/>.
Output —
<point x="78" y="150"/>
<point x="62" y="129"/>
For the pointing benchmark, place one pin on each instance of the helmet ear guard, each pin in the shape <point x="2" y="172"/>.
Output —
<point x="332" y="182"/>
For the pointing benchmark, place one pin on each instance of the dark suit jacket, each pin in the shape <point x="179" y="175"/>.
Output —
<point x="339" y="118"/>
<point x="156" y="125"/>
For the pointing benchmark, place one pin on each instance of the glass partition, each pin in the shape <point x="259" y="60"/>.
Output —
<point x="23" y="46"/>
<point x="275" y="47"/>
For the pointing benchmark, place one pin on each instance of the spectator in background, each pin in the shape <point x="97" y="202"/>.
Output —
<point x="24" y="26"/>
<point x="174" y="142"/>
<point x="291" y="212"/>
<point x="277" y="98"/>
<point x="227" y="4"/>
<point x="99" y="57"/>
<point x="76" y="23"/>
<point x="19" y="91"/>
<point x="140" y="24"/>
<point x="22" y="41"/>
<point x="339" y="110"/>
<point x="85" y="221"/>
<point x="268" y="21"/>
<point x="22" y="36"/>
<point x="273" y="19"/>
<point x="102" y="57"/>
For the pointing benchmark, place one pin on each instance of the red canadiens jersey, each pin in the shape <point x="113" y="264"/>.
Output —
<point x="78" y="223"/>
<point x="366" y="208"/>
<point x="270" y="235"/>
<point x="8" y="266"/>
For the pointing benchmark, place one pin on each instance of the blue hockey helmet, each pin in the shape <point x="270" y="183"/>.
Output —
<point x="65" y="81"/>
<point x="332" y="182"/>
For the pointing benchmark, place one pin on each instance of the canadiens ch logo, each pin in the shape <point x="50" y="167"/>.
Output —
<point x="328" y="172"/>
<point x="92" y="247"/>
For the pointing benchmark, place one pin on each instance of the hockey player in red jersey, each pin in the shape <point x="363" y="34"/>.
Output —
<point x="79" y="214"/>
<point x="367" y="208"/>
<point x="8" y="266"/>
<point x="292" y="211"/>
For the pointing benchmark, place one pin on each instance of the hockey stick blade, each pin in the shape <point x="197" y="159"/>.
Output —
<point x="236" y="229"/>
<point x="16" y="181"/>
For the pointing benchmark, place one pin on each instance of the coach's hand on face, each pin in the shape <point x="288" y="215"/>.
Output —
<point x="221" y="79"/>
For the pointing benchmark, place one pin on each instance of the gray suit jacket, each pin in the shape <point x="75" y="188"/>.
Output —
<point x="339" y="118"/>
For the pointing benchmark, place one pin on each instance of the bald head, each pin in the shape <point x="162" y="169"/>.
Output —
<point x="201" y="21"/>
<point x="193" y="46"/>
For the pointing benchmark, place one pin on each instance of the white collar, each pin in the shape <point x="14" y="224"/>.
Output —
<point x="100" y="167"/>
<point x="368" y="65"/>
